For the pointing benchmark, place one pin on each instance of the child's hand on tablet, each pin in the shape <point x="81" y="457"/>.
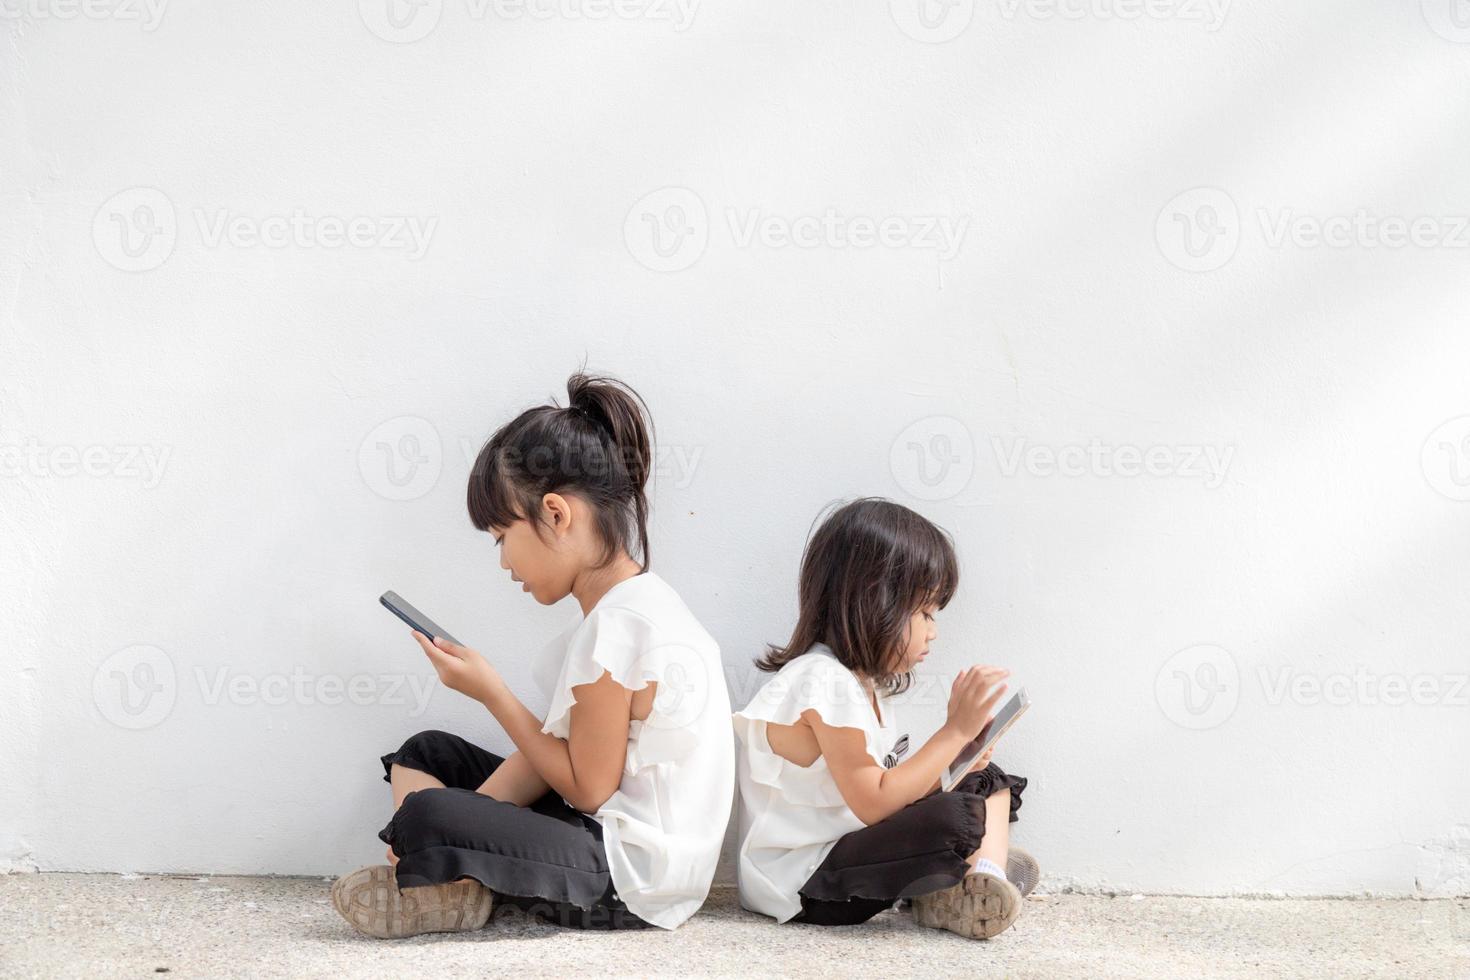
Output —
<point x="972" y="696"/>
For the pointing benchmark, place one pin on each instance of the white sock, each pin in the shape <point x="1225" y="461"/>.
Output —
<point x="989" y="867"/>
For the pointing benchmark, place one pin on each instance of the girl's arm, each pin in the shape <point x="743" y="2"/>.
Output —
<point x="874" y="793"/>
<point x="515" y="781"/>
<point x="587" y="768"/>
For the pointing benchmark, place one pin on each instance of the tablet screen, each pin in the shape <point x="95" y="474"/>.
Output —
<point x="993" y="730"/>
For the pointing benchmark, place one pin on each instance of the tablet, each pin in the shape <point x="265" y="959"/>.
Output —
<point x="395" y="604"/>
<point x="994" y="729"/>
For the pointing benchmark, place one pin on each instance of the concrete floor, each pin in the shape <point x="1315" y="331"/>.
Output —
<point x="134" y="926"/>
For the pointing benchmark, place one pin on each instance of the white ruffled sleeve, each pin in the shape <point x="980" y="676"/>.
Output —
<point x="626" y="645"/>
<point x="821" y="683"/>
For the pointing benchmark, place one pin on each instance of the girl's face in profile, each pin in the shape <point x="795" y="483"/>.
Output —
<point x="920" y="633"/>
<point x="536" y="563"/>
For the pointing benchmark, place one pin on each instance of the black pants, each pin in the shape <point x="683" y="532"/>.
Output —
<point x="546" y="859"/>
<point x="920" y="849"/>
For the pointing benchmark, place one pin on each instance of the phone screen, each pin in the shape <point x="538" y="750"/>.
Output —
<point x="396" y="605"/>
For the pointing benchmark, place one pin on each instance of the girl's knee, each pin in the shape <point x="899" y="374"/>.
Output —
<point x="960" y="821"/>
<point x="417" y="743"/>
<point x="424" y="808"/>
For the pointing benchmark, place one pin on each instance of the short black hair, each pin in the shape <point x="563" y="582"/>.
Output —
<point x="870" y="564"/>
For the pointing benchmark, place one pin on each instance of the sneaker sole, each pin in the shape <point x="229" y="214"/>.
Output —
<point x="980" y="907"/>
<point x="371" y="903"/>
<point x="1023" y="871"/>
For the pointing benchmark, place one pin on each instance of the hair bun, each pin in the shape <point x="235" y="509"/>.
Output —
<point x="548" y="449"/>
<point x="620" y="412"/>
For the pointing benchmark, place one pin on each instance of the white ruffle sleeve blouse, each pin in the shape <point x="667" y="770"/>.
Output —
<point x="791" y="816"/>
<point x="664" y="825"/>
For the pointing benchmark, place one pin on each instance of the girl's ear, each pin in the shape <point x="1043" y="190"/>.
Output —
<point x="557" y="510"/>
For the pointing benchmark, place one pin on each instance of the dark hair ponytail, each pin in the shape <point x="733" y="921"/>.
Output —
<point x="600" y="447"/>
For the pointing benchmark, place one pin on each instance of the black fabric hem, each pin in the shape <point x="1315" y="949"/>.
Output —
<point x="406" y="759"/>
<point x="991" y="780"/>
<point x="911" y="874"/>
<point x="958" y="815"/>
<point x="502" y="875"/>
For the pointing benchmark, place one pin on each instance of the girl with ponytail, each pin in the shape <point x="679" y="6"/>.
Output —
<point x="612" y="809"/>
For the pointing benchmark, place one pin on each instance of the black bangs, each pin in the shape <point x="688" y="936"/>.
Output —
<point x="491" y="498"/>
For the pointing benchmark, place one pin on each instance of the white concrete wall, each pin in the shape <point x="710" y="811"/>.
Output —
<point x="1029" y="234"/>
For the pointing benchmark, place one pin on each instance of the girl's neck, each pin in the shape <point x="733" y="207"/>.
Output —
<point x="871" y="687"/>
<point x="594" y="583"/>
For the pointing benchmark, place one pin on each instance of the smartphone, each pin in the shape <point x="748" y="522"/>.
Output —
<point x="994" y="729"/>
<point x="395" y="604"/>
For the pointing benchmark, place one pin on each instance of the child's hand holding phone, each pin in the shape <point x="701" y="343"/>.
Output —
<point x="460" y="668"/>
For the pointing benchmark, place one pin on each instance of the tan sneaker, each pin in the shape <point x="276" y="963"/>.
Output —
<point x="980" y="907"/>
<point x="1022" y="871"/>
<point x="369" y="899"/>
